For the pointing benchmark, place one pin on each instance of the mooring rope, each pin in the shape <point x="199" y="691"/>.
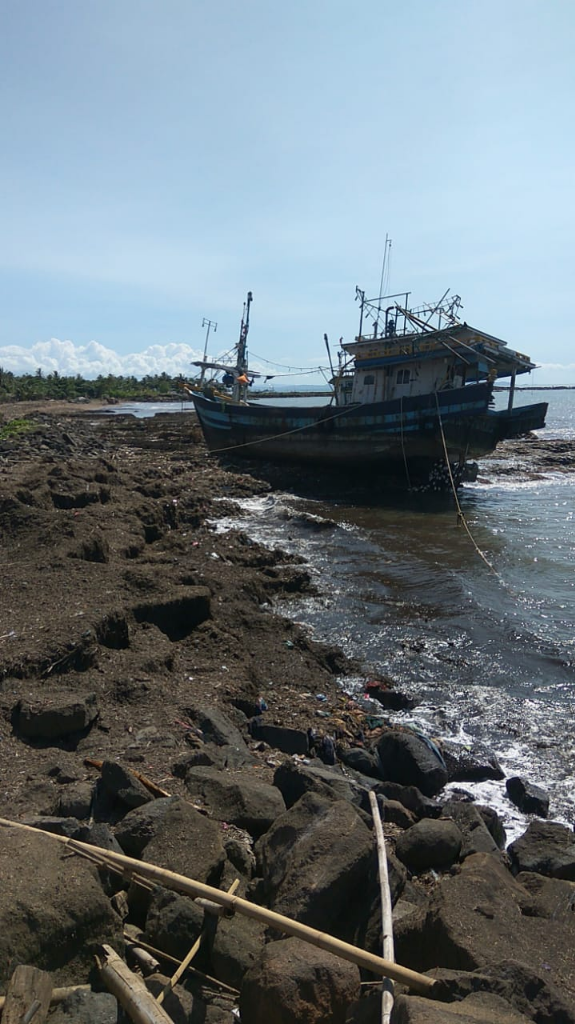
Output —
<point x="403" y="444"/>
<point x="461" y="520"/>
<point x="274" y="437"/>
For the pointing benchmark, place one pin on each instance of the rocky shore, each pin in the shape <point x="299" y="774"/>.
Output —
<point x="153" y="703"/>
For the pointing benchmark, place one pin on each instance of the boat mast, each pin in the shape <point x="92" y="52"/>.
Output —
<point x="241" y="383"/>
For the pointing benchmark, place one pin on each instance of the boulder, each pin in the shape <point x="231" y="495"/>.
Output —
<point x="123" y="785"/>
<point x="237" y="800"/>
<point x="75" y="800"/>
<point x="61" y="716"/>
<point x="53" y="912"/>
<point x="88" y="1007"/>
<point x="412" y="761"/>
<point x="477" y="1008"/>
<point x="173" y="922"/>
<point x="471" y="765"/>
<point x="68" y="827"/>
<point x="494" y="824"/>
<point x="361" y="760"/>
<point x="411" y="797"/>
<point x="480" y="916"/>
<point x="289" y="741"/>
<point x="528" y="797"/>
<point x="315" y="860"/>
<point x="236" y="945"/>
<point x="476" y="836"/>
<point x="526" y="989"/>
<point x="429" y="844"/>
<point x="295" y="983"/>
<point x="394" y="811"/>
<point x="293" y="780"/>
<point x="547" y="848"/>
<point x="180" y="1005"/>
<point x="215" y="726"/>
<point x="173" y="834"/>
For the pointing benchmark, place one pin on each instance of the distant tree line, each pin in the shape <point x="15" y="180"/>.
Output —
<point x="40" y="385"/>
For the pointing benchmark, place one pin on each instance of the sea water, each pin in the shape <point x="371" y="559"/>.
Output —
<point x="489" y="652"/>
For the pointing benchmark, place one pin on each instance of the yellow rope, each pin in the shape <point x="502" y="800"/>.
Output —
<point x="461" y="520"/>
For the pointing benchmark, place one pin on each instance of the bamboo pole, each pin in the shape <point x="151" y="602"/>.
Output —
<point x="130" y="990"/>
<point x="189" y="887"/>
<point x="386" y="910"/>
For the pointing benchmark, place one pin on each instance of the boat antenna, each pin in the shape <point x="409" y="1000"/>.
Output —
<point x="209" y="324"/>
<point x="385" y="264"/>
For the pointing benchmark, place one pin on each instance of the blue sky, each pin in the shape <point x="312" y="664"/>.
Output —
<point x="159" y="160"/>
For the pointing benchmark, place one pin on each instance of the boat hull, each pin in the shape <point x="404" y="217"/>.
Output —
<point x="402" y="432"/>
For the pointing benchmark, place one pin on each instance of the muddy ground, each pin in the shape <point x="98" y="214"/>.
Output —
<point x="115" y="584"/>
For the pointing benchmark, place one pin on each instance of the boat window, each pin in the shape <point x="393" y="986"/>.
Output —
<point x="403" y="377"/>
<point x="369" y="379"/>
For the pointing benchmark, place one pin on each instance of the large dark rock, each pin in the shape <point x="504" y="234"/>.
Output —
<point x="215" y="726"/>
<point x="411" y="797"/>
<point x="314" y="860"/>
<point x="477" y="1008"/>
<point x="295" y="983"/>
<point x="361" y="760"/>
<point x="494" y="824"/>
<point x="170" y="833"/>
<point x="68" y="827"/>
<point x="429" y="844"/>
<point x="61" y="716"/>
<point x="293" y="780"/>
<point x="237" y="800"/>
<point x="547" y="847"/>
<point x="471" y="765"/>
<point x="173" y="922"/>
<point x="236" y="945"/>
<point x="476" y="836"/>
<point x="123" y="785"/>
<point x="75" y="800"/>
<point x="289" y="741"/>
<point x="411" y="761"/>
<point x="53" y="912"/>
<point x="526" y="988"/>
<point x="87" y="1007"/>
<point x="528" y="797"/>
<point x="480" y="916"/>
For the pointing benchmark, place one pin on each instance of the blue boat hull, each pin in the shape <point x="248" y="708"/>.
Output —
<point x="392" y="434"/>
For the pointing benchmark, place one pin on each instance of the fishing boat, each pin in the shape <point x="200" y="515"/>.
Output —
<point x="411" y="394"/>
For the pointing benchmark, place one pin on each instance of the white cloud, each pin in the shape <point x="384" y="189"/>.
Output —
<point x="94" y="359"/>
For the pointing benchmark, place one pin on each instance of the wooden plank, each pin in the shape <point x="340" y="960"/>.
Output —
<point x="130" y="990"/>
<point x="28" y="996"/>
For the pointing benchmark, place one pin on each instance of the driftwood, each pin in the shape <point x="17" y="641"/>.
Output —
<point x="386" y="910"/>
<point x="189" y="887"/>
<point x="58" y="994"/>
<point x="152" y="788"/>
<point x="27" y="997"/>
<point x="130" y="990"/>
<point x="190" y="956"/>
